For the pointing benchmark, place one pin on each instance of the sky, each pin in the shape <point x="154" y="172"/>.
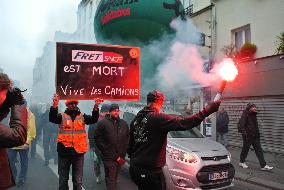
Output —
<point x="25" y="27"/>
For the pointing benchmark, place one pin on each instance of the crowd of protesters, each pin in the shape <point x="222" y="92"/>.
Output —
<point x="64" y="138"/>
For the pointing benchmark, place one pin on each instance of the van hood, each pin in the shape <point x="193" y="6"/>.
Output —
<point x="199" y="146"/>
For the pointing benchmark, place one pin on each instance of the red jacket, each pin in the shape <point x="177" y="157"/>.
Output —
<point x="14" y="135"/>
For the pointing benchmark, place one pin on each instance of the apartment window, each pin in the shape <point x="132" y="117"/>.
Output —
<point x="241" y="35"/>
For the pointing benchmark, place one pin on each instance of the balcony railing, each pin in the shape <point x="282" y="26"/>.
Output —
<point x="189" y="10"/>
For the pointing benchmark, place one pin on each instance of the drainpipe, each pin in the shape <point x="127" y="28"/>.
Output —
<point x="212" y="58"/>
<point x="213" y="29"/>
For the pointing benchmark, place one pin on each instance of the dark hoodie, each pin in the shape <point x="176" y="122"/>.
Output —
<point x="248" y="123"/>
<point x="111" y="137"/>
<point x="147" y="145"/>
<point x="222" y="122"/>
<point x="56" y="118"/>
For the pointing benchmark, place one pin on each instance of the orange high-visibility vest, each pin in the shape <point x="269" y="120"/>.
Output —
<point x="73" y="133"/>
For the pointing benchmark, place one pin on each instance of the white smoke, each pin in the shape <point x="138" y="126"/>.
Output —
<point x="184" y="67"/>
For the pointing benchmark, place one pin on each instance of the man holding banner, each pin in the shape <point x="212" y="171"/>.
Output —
<point x="72" y="140"/>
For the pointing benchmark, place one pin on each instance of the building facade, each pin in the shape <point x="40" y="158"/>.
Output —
<point x="85" y="21"/>
<point x="257" y="22"/>
<point x="254" y="21"/>
<point x="229" y="22"/>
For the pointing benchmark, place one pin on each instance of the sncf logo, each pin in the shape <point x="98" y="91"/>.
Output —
<point x="110" y="57"/>
<point x="96" y="56"/>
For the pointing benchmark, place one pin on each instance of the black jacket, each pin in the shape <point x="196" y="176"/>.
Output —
<point x="248" y="124"/>
<point x="222" y="122"/>
<point x="147" y="145"/>
<point x="91" y="133"/>
<point x="56" y="118"/>
<point x="48" y="128"/>
<point x="111" y="137"/>
<point x="10" y="136"/>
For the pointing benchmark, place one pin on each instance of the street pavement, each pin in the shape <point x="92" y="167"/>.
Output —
<point x="241" y="185"/>
<point x="46" y="178"/>
<point x="271" y="179"/>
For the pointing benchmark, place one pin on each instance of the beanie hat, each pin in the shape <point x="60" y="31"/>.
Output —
<point x="71" y="101"/>
<point x="154" y="96"/>
<point x="249" y="105"/>
<point x="113" y="107"/>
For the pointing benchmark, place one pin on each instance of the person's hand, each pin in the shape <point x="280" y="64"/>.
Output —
<point x="15" y="97"/>
<point x="120" y="161"/>
<point x="212" y="107"/>
<point x="25" y="146"/>
<point x="55" y="100"/>
<point x="98" y="101"/>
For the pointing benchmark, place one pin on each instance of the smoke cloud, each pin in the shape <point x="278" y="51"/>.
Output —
<point x="181" y="66"/>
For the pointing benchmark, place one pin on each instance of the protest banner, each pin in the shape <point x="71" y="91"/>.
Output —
<point x="89" y="71"/>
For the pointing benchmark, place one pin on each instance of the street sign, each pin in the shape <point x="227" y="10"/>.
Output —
<point x="88" y="71"/>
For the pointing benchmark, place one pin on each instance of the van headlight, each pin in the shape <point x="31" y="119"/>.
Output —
<point x="229" y="156"/>
<point x="181" y="155"/>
